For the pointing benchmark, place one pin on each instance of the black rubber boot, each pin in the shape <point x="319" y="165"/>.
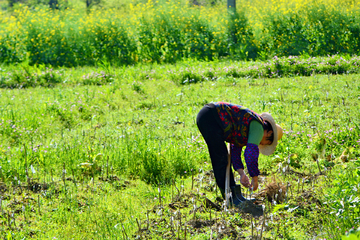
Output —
<point x="236" y="192"/>
<point x="235" y="198"/>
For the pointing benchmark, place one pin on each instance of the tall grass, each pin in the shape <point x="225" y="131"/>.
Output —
<point x="142" y="131"/>
<point x="343" y="201"/>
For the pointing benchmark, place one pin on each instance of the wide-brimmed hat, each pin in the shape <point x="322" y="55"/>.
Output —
<point x="278" y="132"/>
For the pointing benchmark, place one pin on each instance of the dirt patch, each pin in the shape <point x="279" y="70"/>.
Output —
<point x="225" y="230"/>
<point x="185" y="200"/>
<point x="308" y="197"/>
<point x="251" y="208"/>
<point x="32" y="185"/>
<point x="3" y="188"/>
<point x="110" y="179"/>
<point x="37" y="187"/>
<point x="199" y="223"/>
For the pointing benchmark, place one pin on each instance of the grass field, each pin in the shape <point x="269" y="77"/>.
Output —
<point x="92" y="161"/>
<point x="98" y="138"/>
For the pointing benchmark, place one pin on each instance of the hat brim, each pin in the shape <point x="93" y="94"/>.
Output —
<point x="269" y="149"/>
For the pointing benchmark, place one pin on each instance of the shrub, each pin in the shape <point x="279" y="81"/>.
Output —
<point x="287" y="33"/>
<point x="240" y="37"/>
<point x="169" y="32"/>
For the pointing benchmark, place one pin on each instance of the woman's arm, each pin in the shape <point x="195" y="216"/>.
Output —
<point x="235" y="152"/>
<point x="238" y="165"/>
<point x="251" y="153"/>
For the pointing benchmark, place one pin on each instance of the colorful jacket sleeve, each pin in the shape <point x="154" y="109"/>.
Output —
<point x="251" y="155"/>
<point x="236" y="157"/>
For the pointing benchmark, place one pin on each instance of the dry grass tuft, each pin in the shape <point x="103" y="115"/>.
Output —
<point x="275" y="190"/>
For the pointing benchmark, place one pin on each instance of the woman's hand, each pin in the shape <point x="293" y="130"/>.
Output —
<point x="244" y="180"/>
<point x="254" y="183"/>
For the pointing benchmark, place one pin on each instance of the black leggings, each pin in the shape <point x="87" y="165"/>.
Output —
<point x="208" y="123"/>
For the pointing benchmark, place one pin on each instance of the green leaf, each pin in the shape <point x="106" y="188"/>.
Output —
<point x="352" y="236"/>
<point x="98" y="157"/>
<point x="9" y="236"/>
<point x="278" y="208"/>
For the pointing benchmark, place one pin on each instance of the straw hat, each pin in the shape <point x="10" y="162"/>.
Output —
<point x="278" y="132"/>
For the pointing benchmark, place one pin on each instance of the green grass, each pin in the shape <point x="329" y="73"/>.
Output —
<point x="103" y="148"/>
<point x="183" y="73"/>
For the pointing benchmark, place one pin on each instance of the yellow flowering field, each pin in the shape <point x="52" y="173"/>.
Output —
<point x="172" y="31"/>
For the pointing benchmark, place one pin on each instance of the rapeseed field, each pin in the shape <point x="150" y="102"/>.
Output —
<point x="171" y="31"/>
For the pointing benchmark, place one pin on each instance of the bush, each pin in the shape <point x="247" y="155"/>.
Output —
<point x="329" y="33"/>
<point x="170" y="32"/>
<point x="287" y="33"/>
<point x="240" y="37"/>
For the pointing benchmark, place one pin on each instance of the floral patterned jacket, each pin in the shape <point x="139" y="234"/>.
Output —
<point x="236" y="121"/>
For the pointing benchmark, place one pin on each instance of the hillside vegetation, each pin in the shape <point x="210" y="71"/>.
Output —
<point x="167" y="32"/>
